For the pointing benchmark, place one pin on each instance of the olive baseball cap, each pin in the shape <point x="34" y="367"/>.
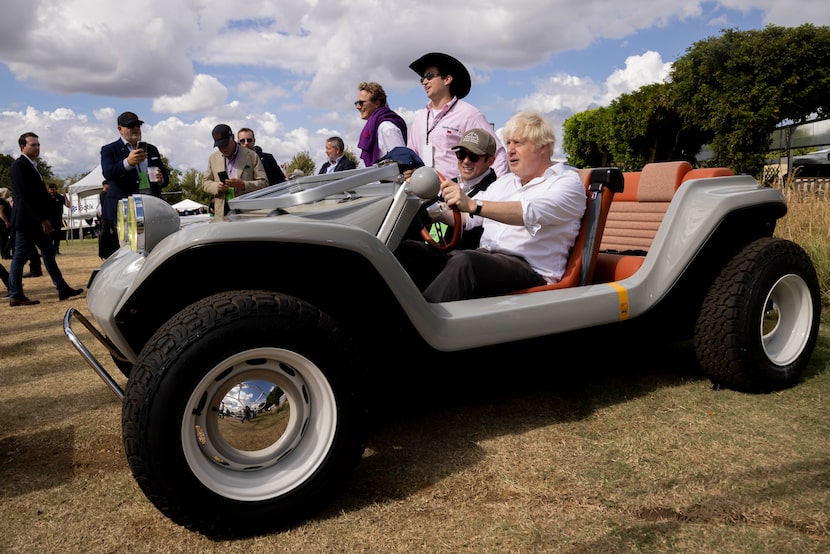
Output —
<point x="478" y="141"/>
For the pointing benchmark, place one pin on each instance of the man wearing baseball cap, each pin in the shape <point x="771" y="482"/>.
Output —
<point x="440" y="126"/>
<point x="128" y="169"/>
<point x="530" y="218"/>
<point x="232" y="170"/>
<point x="475" y="153"/>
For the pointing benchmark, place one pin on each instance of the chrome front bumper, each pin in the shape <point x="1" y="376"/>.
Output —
<point x="87" y="355"/>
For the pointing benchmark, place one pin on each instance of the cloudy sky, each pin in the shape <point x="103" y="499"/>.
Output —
<point x="290" y="68"/>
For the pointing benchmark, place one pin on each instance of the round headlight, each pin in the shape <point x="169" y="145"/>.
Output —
<point x="135" y="204"/>
<point x="149" y="220"/>
<point x="121" y="209"/>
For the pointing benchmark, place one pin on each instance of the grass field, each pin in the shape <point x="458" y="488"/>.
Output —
<point x="579" y="455"/>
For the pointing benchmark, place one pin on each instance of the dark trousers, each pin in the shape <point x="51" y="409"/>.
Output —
<point x="5" y="242"/>
<point x="108" y="239"/>
<point x="460" y="274"/>
<point x="56" y="237"/>
<point x="24" y="244"/>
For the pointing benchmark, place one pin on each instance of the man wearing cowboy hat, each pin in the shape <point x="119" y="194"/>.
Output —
<point x="439" y="127"/>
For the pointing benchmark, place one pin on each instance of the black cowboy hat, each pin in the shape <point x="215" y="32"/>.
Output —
<point x="447" y="65"/>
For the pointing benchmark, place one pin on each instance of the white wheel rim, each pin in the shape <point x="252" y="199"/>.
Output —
<point x="288" y="460"/>
<point x="787" y="320"/>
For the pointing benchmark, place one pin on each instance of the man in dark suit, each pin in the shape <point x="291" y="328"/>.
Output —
<point x="30" y="221"/>
<point x="129" y="170"/>
<point x="269" y="163"/>
<point x="337" y="160"/>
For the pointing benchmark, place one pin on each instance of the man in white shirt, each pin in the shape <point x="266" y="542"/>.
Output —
<point x="530" y="219"/>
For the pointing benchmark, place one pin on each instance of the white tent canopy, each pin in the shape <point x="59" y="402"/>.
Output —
<point x="89" y="185"/>
<point x="189" y="205"/>
<point x="84" y="201"/>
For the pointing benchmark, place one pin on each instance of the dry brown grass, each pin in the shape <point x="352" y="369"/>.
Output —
<point x="571" y="453"/>
<point x="808" y="223"/>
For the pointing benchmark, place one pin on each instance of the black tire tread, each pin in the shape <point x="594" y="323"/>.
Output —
<point x="721" y="337"/>
<point x="156" y="359"/>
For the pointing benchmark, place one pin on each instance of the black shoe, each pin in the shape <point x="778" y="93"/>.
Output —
<point x="33" y="274"/>
<point x="22" y="302"/>
<point x="69" y="293"/>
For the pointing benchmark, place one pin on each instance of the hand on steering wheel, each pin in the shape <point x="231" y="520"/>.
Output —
<point x="444" y="245"/>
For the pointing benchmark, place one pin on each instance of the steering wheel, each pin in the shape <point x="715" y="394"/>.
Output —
<point x="444" y="244"/>
<point x="427" y="181"/>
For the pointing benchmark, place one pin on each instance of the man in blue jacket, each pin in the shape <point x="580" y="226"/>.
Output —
<point x="129" y="170"/>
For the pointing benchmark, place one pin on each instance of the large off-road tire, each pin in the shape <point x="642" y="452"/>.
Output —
<point x="222" y="476"/>
<point x="758" y="324"/>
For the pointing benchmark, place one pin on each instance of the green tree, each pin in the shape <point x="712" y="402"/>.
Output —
<point x="585" y="138"/>
<point x="273" y="398"/>
<point x="350" y="154"/>
<point x="5" y="163"/>
<point x="637" y="128"/>
<point x="172" y="192"/>
<point x="46" y="172"/>
<point x="740" y="85"/>
<point x="302" y="161"/>
<point x="189" y="186"/>
<point x="647" y="127"/>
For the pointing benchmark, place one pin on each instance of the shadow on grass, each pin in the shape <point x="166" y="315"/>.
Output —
<point x="658" y="526"/>
<point x="430" y="419"/>
<point x="36" y="461"/>
<point x="42" y="411"/>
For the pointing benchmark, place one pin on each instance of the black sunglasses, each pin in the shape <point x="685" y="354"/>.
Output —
<point x="243" y="141"/>
<point x="429" y="75"/>
<point x="461" y="154"/>
<point x="359" y="103"/>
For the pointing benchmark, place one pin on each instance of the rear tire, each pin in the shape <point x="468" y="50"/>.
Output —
<point x="230" y="476"/>
<point x="759" y="322"/>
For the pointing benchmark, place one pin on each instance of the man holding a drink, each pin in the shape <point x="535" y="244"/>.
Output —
<point x="130" y="166"/>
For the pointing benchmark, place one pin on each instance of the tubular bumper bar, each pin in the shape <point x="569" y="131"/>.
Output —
<point x="87" y="355"/>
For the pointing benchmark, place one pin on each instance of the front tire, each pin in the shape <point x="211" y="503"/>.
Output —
<point x="225" y="473"/>
<point x="759" y="322"/>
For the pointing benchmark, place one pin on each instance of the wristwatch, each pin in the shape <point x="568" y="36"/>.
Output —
<point x="479" y="205"/>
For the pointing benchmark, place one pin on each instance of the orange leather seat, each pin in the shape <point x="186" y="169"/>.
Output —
<point x="601" y="184"/>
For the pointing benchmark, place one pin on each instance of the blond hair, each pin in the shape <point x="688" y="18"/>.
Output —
<point x="532" y="127"/>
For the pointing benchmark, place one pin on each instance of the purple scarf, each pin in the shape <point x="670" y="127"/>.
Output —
<point x="368" y="142"/>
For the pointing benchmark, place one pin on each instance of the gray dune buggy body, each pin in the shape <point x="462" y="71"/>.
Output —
<point x="290" y="303"/>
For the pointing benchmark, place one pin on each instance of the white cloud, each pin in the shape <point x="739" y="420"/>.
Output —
<point x="290" y="68"/>
<point x="639" y="71"/>
<point x="206" y="94"/>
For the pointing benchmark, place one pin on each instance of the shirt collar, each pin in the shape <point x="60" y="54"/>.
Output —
<point x="235" y="153"/>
